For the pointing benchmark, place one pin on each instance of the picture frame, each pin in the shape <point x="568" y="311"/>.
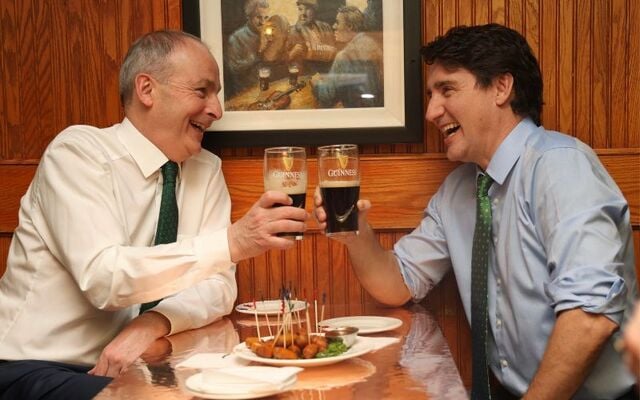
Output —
<point x="398" y="120"/>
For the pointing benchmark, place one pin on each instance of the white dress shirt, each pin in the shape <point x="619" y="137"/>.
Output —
<point x="82" y="258"/>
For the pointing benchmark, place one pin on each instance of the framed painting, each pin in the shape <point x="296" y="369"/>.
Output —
<point x="312" y="72"/>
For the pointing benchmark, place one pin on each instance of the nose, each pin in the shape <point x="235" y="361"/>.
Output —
<point x="214" y="108"/>
<point x="435" y="109"/>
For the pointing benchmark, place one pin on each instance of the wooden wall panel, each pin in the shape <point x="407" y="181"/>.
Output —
<point x="59" y="66"/>
<point x="632" y="91"/>
<point x="5" y="241"/>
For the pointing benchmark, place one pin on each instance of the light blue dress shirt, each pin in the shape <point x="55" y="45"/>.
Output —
<point x="562" y="239"/>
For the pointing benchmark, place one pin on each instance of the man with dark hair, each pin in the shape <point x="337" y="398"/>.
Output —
<point x="356" y="75"/>
<point x="536" y="231"/>
<point x="125" y="233"/>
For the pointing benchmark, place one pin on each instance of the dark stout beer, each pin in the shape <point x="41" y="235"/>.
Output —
<point x="298" y="201"/>
<point x="265" y="76"/>
<point x="295" y="187"/>
<point x="339" y="201"/>
<point x="293" y="75"/>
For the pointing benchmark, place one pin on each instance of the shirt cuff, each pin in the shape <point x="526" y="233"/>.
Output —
<point x="213" y="249"/>
<point x="592" y="289"/>
<point x="178" y="318"/>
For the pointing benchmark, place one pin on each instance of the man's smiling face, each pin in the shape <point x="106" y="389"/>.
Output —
<point x="463" y="112"/>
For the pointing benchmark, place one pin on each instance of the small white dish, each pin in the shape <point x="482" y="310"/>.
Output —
<point x="270" y="307"/>
<point x="364" y="323"/>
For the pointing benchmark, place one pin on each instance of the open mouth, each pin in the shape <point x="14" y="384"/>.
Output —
<point x="450" y="129"/>
<point x="198" y="126"/>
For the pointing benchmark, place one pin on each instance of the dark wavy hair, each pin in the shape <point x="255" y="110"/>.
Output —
<point x="488" y="51"/>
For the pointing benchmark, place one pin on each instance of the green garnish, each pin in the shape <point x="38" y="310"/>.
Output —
<point x="334" y="348"/>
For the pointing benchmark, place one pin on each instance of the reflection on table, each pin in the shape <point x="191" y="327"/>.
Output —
<point x="420" y="366"/>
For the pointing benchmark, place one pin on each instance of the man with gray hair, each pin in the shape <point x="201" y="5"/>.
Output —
<point x="130" y="215"/>
<point x="244" y="50"/>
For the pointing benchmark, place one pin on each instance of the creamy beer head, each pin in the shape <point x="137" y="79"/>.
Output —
<point x="289" y="182"/>
<point x="338" y="163"/>
<point x="285" y="169"/>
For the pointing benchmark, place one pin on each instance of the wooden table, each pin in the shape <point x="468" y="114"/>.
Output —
<point x="420" y="366"/>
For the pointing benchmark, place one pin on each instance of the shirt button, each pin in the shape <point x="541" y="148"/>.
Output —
<point x="504" y="363"/>
<point x="499" y="323"/>
<point x="495" y="202"/>
<point x="499" y="281"/>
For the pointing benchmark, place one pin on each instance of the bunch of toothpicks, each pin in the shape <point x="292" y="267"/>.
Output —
<point x="289" y="316"/>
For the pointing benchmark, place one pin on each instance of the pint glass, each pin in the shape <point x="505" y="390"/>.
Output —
<point x="264" y="75"/>
<point x="285" y="170"/>
<point x="293" y="74"/>
<point x="339" y="180"/>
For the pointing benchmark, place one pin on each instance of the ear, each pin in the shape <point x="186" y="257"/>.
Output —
<point x="504" y="88"/>
<point x="144" y="86"/>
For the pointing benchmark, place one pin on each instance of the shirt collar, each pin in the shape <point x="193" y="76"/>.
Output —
<point x="509" y="151"/>
<point x="147" y="156"/>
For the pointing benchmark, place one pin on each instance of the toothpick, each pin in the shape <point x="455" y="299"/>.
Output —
<point x="297" y="315"/>
<point x="308" y="322"/>
<point x="255" y="314"/>
<point x="275" y="340"/>
<point x="324" y="298"/>
<point x="266" y="316"/>
<point x="315" y="308"/>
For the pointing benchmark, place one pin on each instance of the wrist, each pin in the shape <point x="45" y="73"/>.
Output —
<point x="159" y="325"/>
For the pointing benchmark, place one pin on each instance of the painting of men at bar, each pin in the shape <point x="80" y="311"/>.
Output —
<point x="302" y="54"/>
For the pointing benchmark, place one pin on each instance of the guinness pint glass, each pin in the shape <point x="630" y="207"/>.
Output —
<point x="339" y="180"/>
<point x="293" y="74"/>
<point x="285" y="170"/>
<point x="264" y="75"/>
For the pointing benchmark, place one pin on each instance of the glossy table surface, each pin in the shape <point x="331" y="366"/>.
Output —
<point x="420" y="366"/>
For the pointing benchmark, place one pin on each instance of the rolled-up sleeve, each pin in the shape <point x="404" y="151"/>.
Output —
<point x="581" y="214"/>
<point x="423" y="254"/>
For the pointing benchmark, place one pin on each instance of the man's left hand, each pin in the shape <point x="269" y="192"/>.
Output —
<point x="129" y="344"/>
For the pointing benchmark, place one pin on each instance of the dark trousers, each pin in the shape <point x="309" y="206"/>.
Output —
<point x="33" y="379"/>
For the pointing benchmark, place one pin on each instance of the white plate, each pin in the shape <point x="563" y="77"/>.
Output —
<point x="364" y="323"/>
<point x="245" y="391"/>
<point x="270" y="307"/>
<point x="359" y="348"/>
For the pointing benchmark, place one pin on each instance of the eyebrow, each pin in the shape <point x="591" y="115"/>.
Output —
<point x="208" y="83"/>
<point x="440" y="84"/>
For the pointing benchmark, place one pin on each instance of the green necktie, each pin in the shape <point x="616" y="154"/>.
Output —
<point x="167" y="230"/>
<point x="479" y="268"/>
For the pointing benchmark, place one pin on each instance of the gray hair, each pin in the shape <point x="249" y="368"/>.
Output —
<point x="353" y="17"/>
<point x="251" y="6"/>
<point x="150" y="54"/>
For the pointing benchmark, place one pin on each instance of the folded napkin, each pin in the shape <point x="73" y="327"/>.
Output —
<point x="253" y="379"/>
<point x="212" y="360"/>
<point x="376" y="343"/>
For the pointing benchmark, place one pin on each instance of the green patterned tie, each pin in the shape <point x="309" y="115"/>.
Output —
<point x="167" y="230"/>
<point x="479" y="268"/>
